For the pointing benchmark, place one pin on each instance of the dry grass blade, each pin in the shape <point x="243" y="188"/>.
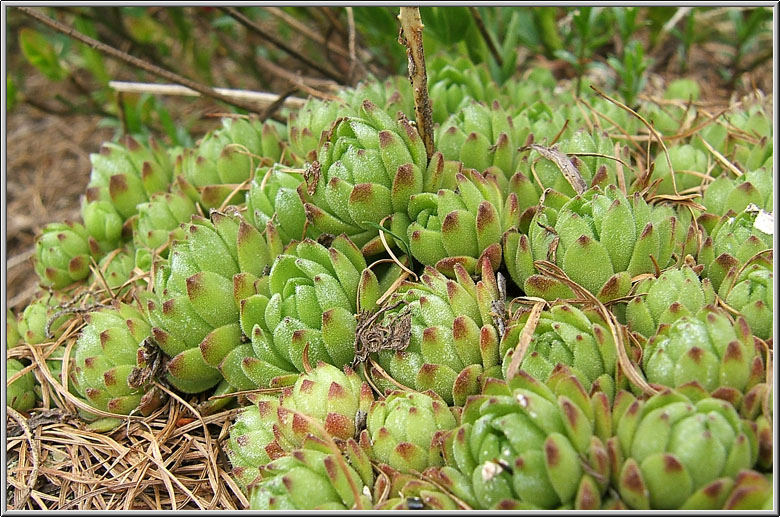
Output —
<point x="390" y="251"/>
<point x="562" y="161"/>
<point x="620" y="161"/>
<point x="769" y="378"/>
<point x="382" y="480"/>
<point x="177" y="89"/>
<point x="430" y="479"/>
<point x="525" y="340"/>
<point x="34" y="452"/>
<point x="549" y="269"/>
<point x="624" y="134"/>
<point x="149" y="463"/>
<point x="387" y="377"/>
<point x="650" y="128"/>
<point x="722" y="159"/>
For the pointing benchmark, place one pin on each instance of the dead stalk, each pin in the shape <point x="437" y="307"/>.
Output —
<point x="411" y="36"/>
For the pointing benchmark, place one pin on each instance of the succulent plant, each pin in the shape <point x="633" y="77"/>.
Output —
<point x="116" y="268"/>
<point x="160" y="219"/>
<point x="391" y="95"/>
<point x="749" y="291"/>
<point x="314" y="294"/>
<point x="106" y="228"/>
<point x="705" y="350"/>
<point x="273" y="427"/>
<point x="12" y="336"/>
<point x="688" y="163"/>
<point x="195" y="311"/>
<point x="313" y="478"/>
<point x="482" y="137"/>
<point x="224" y="158"/>
<point x="536" y="85"/>
<point x="725" y="194"/>
<point x="333" y="397"/>
<point x="124" y="175"/>
<point x="453" y="84"/>
<point x="305" y="127"/>
<point x="32" y="321"/>
<point x="526" y="445"/>
<point x="594" y="170"/>
<point x="461" y="226"/>
<point x="408" y="492"/>
<point x="366" y="170"/>
<point x="20" y="394"/>
<point x="600" y="239"/>
<point x="674" y="294"/>
<point x="751" y="491"/>
<point x="447" y="337"/>
<point x="578" y="339"/>
<point x="106" y="354"/>
<point x="747" y="140"/>
<point x="62" y="254"/>
<point x="253" y="441"/>
<point x="671" y="453"/>
<point x="734" y="240"/>
<point x="402" y="429"/>
<point x="273" y="195"/>
<point x="668" y="119"/>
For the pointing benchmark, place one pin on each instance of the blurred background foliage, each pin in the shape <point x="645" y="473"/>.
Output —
<point x="291" y="48"/>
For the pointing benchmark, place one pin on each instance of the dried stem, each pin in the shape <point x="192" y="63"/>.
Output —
<point x="411" y="36"/>
<point x="134" y="61"/>
<point x="486" y="35"/>
<point x="305" y="84"/>
<point x="257" y="29"/>
<point x="352" y="54"/>
<point x="303" y="30"/>
<point x="176" y="89"/>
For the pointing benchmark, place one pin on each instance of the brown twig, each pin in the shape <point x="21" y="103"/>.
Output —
<point x="305" y="84"/>
<point x="306" y="31"/>
<point x="257" y="29"/>
<point x="486" y="35"/>
<point x="334" y="21"/>
<point x="411" y="36"/>
<point x="352" y="54"/>
<point x="272" y="108"/>
<point x="134" y="61"/>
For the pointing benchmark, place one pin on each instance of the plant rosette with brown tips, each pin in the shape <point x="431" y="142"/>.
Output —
<point x="600" y="239"/>
<point x="450" y="338"/>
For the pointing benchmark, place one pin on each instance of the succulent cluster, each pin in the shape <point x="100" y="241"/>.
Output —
<point x="529" y="317"/>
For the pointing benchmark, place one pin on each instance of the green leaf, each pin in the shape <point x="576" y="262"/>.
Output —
<point x="168" y="125"/>
<point x="93" y="60"/>
<point x="447" y="24"/>
<point x="10" y="93"/>
<point x="41" y="54"/>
